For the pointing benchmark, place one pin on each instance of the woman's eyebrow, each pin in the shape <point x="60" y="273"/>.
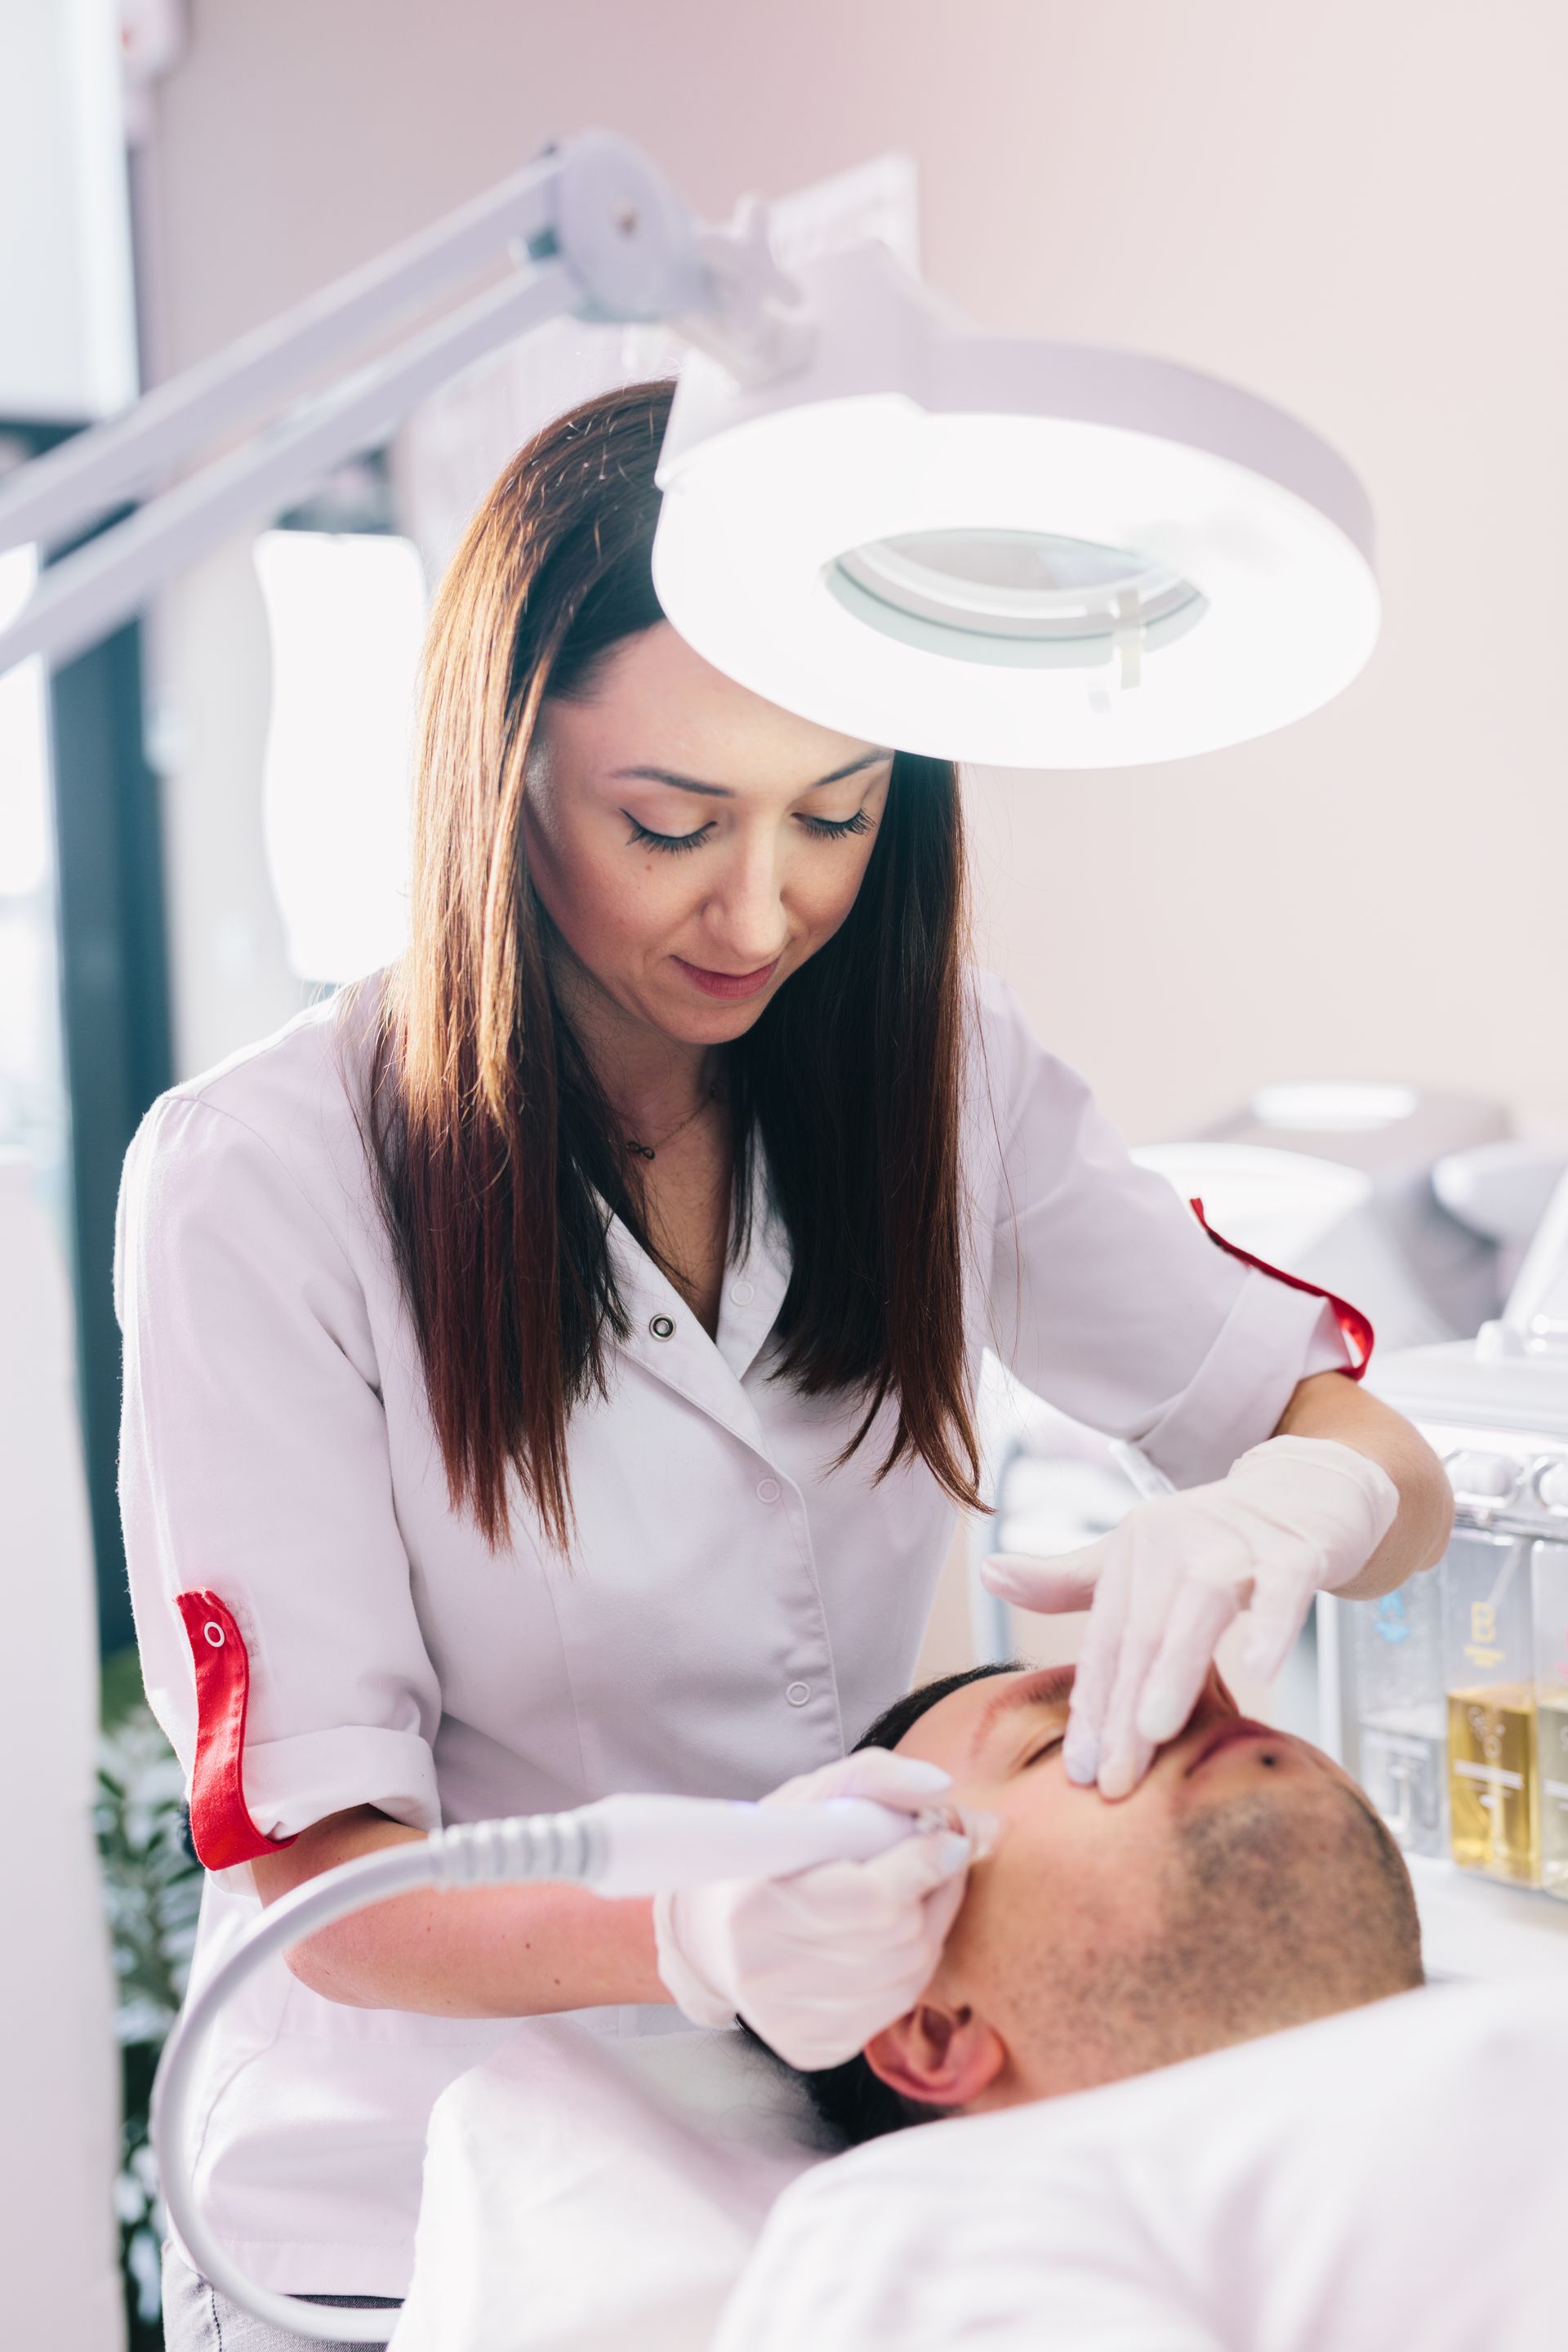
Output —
<point x="723" y="793"/>
<point x="1047" y="1686"/>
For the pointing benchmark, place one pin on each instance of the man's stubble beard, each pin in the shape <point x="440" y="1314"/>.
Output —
<point x="1246" y="1935"/>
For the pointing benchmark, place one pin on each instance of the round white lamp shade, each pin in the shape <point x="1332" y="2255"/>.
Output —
<point x="1013" y="552"/>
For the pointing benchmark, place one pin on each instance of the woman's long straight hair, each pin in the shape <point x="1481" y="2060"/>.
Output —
<point x="498" y="1157"/>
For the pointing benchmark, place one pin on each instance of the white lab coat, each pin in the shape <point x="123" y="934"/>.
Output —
<point x="734" y="1611"/>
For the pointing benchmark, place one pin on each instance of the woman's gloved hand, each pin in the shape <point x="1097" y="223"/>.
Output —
<point x="1296" y="1516"/>
<point x="818" y="1963"/>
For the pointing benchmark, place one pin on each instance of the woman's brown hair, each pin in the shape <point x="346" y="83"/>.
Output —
<point x="498" y="1157"/>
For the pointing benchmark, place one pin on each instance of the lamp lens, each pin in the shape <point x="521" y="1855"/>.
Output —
<point x="1023" y="598"/>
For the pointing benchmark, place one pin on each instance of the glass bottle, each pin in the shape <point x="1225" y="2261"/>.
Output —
<point x="1489" y="1669"/>
<point x="1396" y="1645"/>
<point x="1549" y="1586"/>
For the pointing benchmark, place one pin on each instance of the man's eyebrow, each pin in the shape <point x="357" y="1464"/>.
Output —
<point x="723" y="793"/>
<point x="1047" y="1686"/>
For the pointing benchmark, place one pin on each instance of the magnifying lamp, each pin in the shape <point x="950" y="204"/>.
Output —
<point x="1014" y="552"/>
<point x="982" y="547"/>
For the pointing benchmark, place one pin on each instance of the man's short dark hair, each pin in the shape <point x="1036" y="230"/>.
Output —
<point x="852" y="2103"/>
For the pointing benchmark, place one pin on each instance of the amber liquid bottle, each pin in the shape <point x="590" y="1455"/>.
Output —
<point x="1551" y="1750"/>
<point x="1494" y="1807"/>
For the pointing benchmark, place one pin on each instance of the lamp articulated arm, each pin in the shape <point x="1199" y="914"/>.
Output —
<point x="592" y="229"/>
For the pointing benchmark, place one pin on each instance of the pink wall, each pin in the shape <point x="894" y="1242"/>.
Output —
<point x="1356" y="210"/>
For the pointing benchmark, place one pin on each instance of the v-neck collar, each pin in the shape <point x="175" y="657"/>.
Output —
<point x="754" y="1289"/>
<point x="667" y="1337"/>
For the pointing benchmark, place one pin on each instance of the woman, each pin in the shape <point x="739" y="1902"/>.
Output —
<point x="549" y="1371"/>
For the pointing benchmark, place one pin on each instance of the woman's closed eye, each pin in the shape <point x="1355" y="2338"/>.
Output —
<point x="835" y="828"/>
<point x="644" y="837"/>
<point x="1045" y="1748"/>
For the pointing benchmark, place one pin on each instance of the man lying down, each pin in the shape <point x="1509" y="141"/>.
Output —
<point x="1180" y="2090"/>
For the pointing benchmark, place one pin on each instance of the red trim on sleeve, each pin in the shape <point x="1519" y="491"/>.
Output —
<point x="221" y="1828"/>
<point x="1355" y="1326"/>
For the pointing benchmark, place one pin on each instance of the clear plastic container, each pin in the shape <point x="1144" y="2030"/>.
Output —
<point x="1489" y="1661"/>
<point x="1548" y="1584"/>
<point x="1397" y="1669"/>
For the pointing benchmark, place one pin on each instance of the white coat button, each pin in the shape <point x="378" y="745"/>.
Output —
<point x="769" y="1489"/>
<point x="662" y="1328"/>
<point x="797" y="1694"/>
<point x="743" y="1293"/>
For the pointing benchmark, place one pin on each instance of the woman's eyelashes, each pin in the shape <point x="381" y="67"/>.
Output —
<point x="1046" y="1748"/>
<point x="642" y="837"/>
<point x="828" y="829"/>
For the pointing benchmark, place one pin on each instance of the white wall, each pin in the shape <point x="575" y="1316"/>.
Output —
<point x="69" y="346"/>
<point x="210" y="675"/>
<point x="59" y="2140"/>
<point x="1355" y="211"/>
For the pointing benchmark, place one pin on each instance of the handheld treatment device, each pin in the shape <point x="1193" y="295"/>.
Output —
<point x="622" y="1846"/>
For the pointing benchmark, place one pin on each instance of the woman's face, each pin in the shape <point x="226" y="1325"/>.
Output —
<point x="692" y="844"/>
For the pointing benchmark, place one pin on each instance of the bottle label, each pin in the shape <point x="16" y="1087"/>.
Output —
<point x="1495" y="1774"/>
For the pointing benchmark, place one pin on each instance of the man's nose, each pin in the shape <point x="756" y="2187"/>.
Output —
<point x="1214" y="1701"/>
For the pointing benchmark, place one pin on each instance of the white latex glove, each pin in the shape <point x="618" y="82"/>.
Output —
<point x="818" y="1963"/>
<point x="1296" y="1516"/>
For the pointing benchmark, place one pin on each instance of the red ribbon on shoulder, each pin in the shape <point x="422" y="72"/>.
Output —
<point x="1355" y="1326"/>
<point x="221" y="1828"/>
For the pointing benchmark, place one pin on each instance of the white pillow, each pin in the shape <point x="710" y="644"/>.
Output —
<point x="581" y="2192"/>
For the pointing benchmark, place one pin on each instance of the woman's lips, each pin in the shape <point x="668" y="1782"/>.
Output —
<point x="1235" y="1727"/>
<point x="727" y="984"/>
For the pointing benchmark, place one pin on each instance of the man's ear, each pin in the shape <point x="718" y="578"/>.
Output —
<point x="944" y="2057"/>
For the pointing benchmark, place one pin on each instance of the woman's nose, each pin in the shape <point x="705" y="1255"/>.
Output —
<point x="746" y="914"/>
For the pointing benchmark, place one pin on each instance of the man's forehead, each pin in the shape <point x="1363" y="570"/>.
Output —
<point x="958" y="1728"/>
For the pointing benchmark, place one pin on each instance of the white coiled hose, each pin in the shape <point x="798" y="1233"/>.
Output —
<point x="622" y="1846"/>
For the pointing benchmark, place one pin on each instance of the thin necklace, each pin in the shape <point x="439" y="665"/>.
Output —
<point x="715" y="1093"/>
